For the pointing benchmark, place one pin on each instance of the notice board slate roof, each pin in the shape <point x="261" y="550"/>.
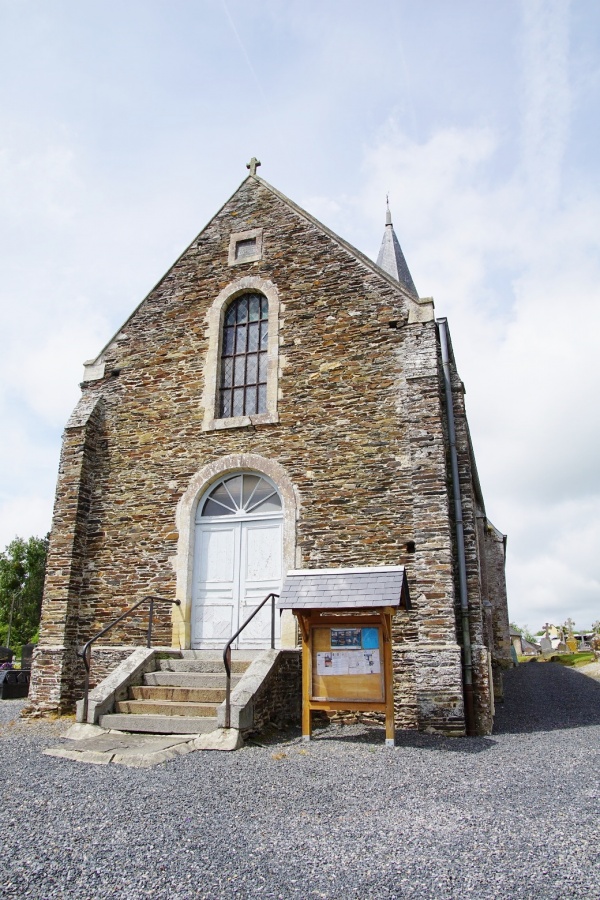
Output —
<point x="361" y="588"/>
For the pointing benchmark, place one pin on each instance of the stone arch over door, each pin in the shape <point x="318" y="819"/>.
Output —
<point x="185" y="521"/>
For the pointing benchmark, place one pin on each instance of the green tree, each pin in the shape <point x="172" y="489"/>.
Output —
<point x="523" y="630"/>
<point x="22" y="570"/>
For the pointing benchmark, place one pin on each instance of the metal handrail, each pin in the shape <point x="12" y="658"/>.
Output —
<point x="86" y="651"/>
<point x="227" y="651"/>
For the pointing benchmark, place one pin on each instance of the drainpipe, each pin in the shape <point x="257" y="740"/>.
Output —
<point x="460" y="537"/>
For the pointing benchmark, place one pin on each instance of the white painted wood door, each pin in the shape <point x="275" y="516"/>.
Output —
<point x="215" y="584"/>
<point x="236" y="564"/>
<point x="260" y="574"/>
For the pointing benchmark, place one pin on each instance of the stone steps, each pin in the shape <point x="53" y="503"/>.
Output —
<point x="202" y="665"/>
<point x="159" y="724"/>
<point x="190" y="679"/>
<point x="181" y="698"/>
<point x="165" y="708"/>
<point x="217" y="655"/>
<point x="178" y="693"/>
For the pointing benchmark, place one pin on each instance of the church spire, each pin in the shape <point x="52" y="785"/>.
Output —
<point x="391" y="259"/>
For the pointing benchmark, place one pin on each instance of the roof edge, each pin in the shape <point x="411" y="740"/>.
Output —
<point x="419" y="302"/>
<point x="96" y="369"/>
<point x="360" y="570"/>
<point x="420" y="308"/>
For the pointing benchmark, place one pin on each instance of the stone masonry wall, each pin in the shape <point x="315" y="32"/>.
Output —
<point x="279" y="701"/>
<point x="495" y="558"/>
<point x="476" y="570"/>
<point x="56" y="668"/>
<point x="482" y="690"/>
<point x="360" y="435"/>
<point x="427" y="679"/>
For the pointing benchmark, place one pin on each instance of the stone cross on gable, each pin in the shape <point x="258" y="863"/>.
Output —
<point x="253" y="165"/>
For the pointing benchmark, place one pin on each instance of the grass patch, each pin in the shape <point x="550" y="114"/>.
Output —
<point x="565" y="659"/>
<point x="574" y="659"/>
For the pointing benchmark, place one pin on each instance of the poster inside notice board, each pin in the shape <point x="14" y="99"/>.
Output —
<point x="347" y="663"/>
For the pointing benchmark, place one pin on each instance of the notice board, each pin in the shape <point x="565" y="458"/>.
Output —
<point x="347" y="663"/>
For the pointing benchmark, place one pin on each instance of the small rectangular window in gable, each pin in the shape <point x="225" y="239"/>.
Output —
<point x="245" y="246"/>
<point x="245" y="249"/>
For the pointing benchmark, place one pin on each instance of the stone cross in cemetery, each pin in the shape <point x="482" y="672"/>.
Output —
<point x="546" y="643"/>
<point x="571" y="642"/>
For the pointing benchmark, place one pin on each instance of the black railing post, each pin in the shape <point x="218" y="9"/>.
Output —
<point x="272" y="621"/>
<point x="86" y="651"/>
<point x="87" y="657"/>
<point x="150" y="615"/>
<point x="227" y="660"/>
<point x="227" y="651"/>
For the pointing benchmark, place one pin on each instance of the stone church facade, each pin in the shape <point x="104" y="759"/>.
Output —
<point x="278" y="401"/>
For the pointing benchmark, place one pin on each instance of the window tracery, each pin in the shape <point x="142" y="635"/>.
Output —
<point x="245" y="493"/>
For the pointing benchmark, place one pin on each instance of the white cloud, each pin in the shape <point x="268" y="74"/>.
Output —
<point x="93" y="213"/>
<point x="514" y="263"/>
<point x="44" y="374"/>
<point x="28" y="463"/>
<point x="546" y="94"/>
<point x="24" y="516"/>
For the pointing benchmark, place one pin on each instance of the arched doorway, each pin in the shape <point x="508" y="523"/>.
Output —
<point x="237" y="560"/>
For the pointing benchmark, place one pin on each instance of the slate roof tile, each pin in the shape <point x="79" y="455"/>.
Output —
<point x="346" y="588"/>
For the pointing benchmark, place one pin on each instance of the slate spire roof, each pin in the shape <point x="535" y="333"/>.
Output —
<point x="391" y="258"/>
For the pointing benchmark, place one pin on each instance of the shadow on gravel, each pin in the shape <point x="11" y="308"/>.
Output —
<point x="374" y="736"/>
<point x="547" y="697"/>
<point x="441" y="744"/>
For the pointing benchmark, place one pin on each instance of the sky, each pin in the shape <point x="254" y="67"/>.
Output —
<point x="124" y="126"/>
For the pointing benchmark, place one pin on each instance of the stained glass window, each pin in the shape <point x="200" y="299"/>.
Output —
<point x="243" y="389"/>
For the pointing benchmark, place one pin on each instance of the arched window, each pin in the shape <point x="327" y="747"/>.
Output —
<point x="243" y="387"/>
<point x="244" y="494"/>
<point x="241" y="367"/>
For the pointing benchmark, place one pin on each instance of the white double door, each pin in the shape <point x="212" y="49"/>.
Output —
<point x="236" y="564"/>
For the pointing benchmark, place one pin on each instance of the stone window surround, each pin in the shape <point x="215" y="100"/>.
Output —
<point x="254" y="234"/>
<point x="185" y="517"/>
<point x="212" y="365"/>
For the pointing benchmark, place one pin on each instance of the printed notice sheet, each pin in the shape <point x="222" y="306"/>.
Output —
<point x="348" y="662"/>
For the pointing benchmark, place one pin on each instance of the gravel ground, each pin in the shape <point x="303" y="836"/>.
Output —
<point x="514" y="815"/>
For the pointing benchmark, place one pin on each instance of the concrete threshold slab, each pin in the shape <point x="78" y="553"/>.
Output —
<point x="140" y="750"/>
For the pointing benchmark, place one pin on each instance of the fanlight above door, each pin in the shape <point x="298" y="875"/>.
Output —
<point x="241" y="495"/>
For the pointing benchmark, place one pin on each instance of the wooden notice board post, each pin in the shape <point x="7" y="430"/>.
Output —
<point x="345" y="619"/>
